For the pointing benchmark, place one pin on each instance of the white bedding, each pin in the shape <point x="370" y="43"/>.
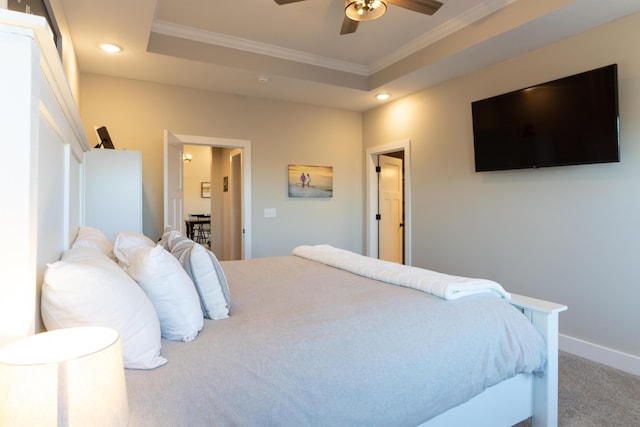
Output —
<point x="439" y="284"/>
<point x="311" y="345"/>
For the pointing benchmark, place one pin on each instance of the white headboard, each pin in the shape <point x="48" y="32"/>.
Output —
<point x="42" y="142"/>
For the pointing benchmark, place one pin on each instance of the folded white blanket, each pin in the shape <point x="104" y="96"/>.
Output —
<point x="438" y="284"/>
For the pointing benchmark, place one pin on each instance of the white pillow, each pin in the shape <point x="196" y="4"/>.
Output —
<point x="170" y="290"/>
<point x="169" y="235"/>
<point x="207" y="276"/>
<point x="90" y="237"/>
<point x="125" y="242"/>
<point x="87" y="288"/>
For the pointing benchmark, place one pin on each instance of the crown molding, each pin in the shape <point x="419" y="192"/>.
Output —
<point x="443" y="30"/>
<point x="211" y="37"/>
<point x="447" y="28"/>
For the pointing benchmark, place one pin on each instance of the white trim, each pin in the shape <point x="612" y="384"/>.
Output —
<point x="372" y="196"/>
<point x="225" y="40"/>
<point x="597" y="353"/>
<point x="443" y="30"/>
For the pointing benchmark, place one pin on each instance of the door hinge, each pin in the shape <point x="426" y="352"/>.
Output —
<point x="378" y="169"/>
<point x="378" y="217"/>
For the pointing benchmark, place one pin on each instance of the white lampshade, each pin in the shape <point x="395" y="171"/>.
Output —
<point x="68" y="377"/>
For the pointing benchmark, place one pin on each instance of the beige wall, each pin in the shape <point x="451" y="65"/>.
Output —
<point x="566" y="234"/>
<point x="136" y="113"/>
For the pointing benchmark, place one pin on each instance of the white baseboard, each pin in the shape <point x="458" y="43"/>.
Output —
<point x="606" y="356"/>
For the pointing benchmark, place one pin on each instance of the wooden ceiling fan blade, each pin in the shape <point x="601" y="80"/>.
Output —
<point x="287" y="1"/>
<point x="428" y="7"/>
<point x="348" y="26"/>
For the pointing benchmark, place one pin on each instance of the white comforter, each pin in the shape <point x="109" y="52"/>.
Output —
<point x="439" y="284"/>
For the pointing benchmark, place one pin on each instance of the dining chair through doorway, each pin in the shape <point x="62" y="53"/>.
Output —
<point x="201" y="228"/>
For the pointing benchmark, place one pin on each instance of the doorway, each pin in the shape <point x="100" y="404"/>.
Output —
<point x="240" y="171"/>
<point x="398" y="230"/>
<point x="391" y="207"/>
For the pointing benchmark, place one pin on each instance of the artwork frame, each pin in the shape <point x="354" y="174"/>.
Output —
<point x="205" y="190"/>
<point x="317" y="182"/>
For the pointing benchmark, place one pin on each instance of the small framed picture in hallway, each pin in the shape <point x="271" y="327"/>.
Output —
<point x="205" y="190"/>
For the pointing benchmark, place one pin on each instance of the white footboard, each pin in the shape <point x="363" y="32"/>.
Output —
<point x="544" y="316"/>
<point x="523" y="396"/>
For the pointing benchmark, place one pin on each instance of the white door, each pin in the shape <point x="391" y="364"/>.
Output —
<point x="235" y="189"/>
<point x="390" y="207"/>
<point x="173" y="181"/>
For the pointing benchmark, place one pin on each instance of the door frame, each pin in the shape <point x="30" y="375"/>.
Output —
<point x="172" y="215"/>
<point x="371" y="161"/>
<point x="245" y="146"/>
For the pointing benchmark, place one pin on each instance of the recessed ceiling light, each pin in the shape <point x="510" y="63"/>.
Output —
<point x="110" y="48"/>
<point x="382" y="96"/>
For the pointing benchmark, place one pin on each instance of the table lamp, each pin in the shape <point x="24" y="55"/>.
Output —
<point x="66" y="377"/>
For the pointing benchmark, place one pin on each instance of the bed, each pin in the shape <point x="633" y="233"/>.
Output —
<point x="310" y="344"/>
<point x="202" y="382"/>
<point x="322" y="337"/>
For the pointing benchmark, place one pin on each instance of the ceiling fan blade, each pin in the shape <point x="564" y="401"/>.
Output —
<point x="428" y="7"/>
<point x="287" y="1"/>
<point x="348" y="26"/>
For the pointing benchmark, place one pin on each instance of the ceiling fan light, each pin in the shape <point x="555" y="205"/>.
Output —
<point x="364" y="10"/>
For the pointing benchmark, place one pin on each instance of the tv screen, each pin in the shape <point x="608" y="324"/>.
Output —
<point x="105" y="139"/>
<point x="569" y="121"/>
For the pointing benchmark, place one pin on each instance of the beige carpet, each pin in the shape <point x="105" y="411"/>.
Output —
<point x="594" y="395"/>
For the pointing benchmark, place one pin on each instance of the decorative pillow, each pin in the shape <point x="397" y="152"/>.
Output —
<point x="170" y="290"/>
<point x="127" y="241"/>
<point x="207" y="276"/>
<point x="169" y="235"/>
<point x="89" y="237"/>
<point x="86" y="288"/>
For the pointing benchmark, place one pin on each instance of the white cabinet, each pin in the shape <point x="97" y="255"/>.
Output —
<point x="113" y="191"/>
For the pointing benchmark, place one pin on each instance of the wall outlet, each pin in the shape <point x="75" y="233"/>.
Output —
<point x="269" y="212"/>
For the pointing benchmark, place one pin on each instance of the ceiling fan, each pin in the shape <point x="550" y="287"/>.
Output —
<point x="356" y="11"/>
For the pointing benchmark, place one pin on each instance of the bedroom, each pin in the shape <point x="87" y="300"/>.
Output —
<point x="464" y="223"/>
<point x="558" y="233"/>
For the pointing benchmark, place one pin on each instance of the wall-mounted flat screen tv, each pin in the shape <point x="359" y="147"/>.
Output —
<point x="569" y="121"/>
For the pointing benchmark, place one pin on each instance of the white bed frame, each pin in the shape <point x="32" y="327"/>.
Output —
<point x="43" y="142"/>
<point x="522" y="396"/>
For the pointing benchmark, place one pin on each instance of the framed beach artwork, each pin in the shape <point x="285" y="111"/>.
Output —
<point x="310" y="181"/>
